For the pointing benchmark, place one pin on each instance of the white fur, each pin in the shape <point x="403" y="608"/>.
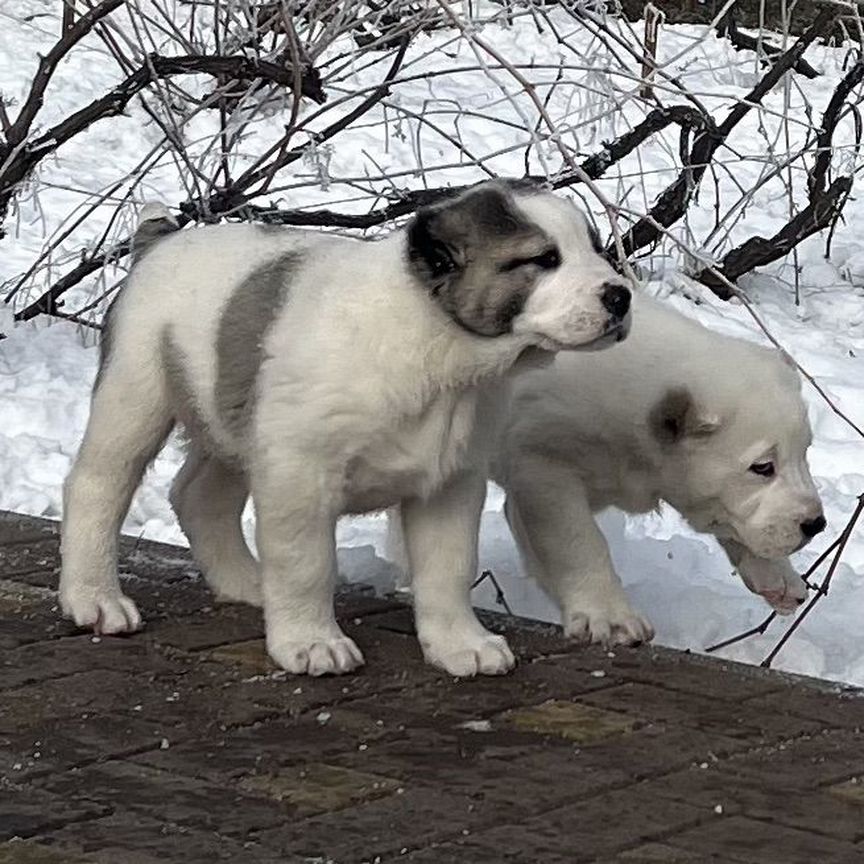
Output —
<point x="549" y="309"/>
<point x="580" y="439"/>
<point x="369" y="395"/>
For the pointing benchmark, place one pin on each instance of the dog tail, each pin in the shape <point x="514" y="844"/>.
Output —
<point x="155" y="221"/>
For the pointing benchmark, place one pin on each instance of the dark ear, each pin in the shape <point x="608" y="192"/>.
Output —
<point x="677" y="416"/>
<point x="441" y="237"/>
<point x="428" y="245"/>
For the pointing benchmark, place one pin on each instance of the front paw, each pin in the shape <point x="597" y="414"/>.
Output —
<point x="107" y="612"/>
<point x="607" y="624"/>
<point x="320" y="654"/>
<point x="468" y="654"/>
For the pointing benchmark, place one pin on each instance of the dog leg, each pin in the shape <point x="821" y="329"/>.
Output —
<point x="564" y="550"/>
<point x="129" y="421"/>
<point x="208" y="497"/>
<point x="441" y="542"/>
<point x="295" y="530"/>
<point x="775" y="580"/>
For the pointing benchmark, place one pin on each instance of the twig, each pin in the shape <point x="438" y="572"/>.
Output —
<point x="654" y="17"/>
<point x="757" y="251"/>
<point x="823" y="588"/>
<point x="22" y="162"/>
<point x="743" y="42"/>
<point x="223" y="201"/>
<point x="500" y="599"/>
<point x="47" y="65"/>
<point x="250" y="178"/>
<point x="761" y="628"/>
<point x="817" y="180"/>
<point x="674" y="200"/>
<point x="758" y="630"/>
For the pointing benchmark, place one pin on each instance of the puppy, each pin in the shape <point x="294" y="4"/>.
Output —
<point x="327" y="376"/>
<point x="713" y="425"/>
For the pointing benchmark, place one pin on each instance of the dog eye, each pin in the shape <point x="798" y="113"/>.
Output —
<point x="763" y="469"/>
<point x="548" y="260"/>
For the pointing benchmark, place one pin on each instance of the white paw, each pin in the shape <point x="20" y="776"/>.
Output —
<point x="470" y="654"/>
<point x="324" y="655"/>
<point x="106" y="612"/>
<point x="607" y="624"/>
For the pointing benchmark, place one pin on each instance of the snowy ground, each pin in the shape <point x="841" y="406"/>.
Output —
<point x="678" y="578"/>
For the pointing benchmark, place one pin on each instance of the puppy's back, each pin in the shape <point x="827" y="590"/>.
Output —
<point x="610" y="394"/>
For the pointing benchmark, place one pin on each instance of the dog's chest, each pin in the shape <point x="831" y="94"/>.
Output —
<point x="416" y="455"/>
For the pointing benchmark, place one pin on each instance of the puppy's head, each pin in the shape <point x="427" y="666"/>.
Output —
<point x="511" y="258"/>
<point x="741" y="458"/>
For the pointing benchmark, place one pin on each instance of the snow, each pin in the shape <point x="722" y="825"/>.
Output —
<point x="679" y="578"/>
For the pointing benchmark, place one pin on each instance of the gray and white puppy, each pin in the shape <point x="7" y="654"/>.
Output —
<point x="327" y="376"/>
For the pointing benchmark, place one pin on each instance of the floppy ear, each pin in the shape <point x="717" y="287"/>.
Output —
<point x="441" y="237"/>
<point x="676" y="416"/>
<point x="431" y="246"/>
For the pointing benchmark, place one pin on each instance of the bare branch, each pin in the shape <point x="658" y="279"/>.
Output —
<point x="817" y="179"/>
<point x="19" y="166"/>
<point x="823" y="588"/>
<point x="47" y="65"/>
<point x="674" y="200"/>
<point x="757" y="251"/>
<point x="744" y="42"/>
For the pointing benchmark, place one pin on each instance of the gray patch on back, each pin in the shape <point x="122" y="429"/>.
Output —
<point x="244" y="322"/>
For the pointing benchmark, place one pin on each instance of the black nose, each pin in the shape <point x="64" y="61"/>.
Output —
<point x="812" y="527"/>
<point x="616" y="299"/>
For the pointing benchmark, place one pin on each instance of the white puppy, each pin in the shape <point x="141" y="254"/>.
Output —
<point x="713" y="425"/>
<point x="327" y="376"/>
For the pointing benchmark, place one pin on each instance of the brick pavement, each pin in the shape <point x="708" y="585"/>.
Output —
<point x="184" y="744"/>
